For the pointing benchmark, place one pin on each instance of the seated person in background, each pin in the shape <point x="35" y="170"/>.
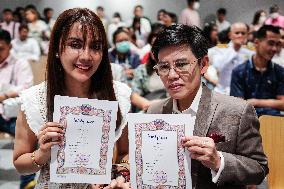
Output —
<point x="221" y="22"/>
<point x="15" y="75"/>
<point x="232" y="162"/>
<point x="24" y="47"/>
<point x="121" y="53"/>
<point x="8" y="24"/>
<point x="259" y="80"/>
<point x="170" y="18"/>
<point x="231" y="56"/>
<point x="258" y="20"/>
<point x="146" y="83"/>
<point x="113" y="26"/>
<point x="38" y="29"/>
<point x="275" y="18"/>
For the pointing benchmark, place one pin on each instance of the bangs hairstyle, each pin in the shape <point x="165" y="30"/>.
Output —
<point x="179" y="34"/>
<point x="101" y="81"/>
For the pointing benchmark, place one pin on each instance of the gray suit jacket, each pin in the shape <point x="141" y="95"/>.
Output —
<point x="245" y="161"/>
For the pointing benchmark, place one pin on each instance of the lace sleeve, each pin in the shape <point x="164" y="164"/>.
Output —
<point x="122" y="93"/>
<point x="33" y="107"/>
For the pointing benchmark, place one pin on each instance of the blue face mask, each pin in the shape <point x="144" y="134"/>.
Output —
<point x="123" y="47"/>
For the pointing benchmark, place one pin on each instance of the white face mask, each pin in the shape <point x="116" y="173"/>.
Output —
<point x="196" y="5"/>
<point x="261" y="19"/>
<point x="274" y="15"/>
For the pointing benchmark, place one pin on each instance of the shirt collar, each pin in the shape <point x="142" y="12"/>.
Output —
<point x="193" y="107"/>
<point x="270" y="65"/>
<point x="5" y="62"/>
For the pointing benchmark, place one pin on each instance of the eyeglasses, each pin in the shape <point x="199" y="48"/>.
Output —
<point x="163" y="69"/>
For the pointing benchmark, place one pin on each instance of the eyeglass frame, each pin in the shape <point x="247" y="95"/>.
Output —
<point x="174" y="67"/>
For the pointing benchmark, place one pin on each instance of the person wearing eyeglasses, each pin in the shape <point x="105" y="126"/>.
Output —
<point x="231" y="56"/>
<point x="226" y="150"/>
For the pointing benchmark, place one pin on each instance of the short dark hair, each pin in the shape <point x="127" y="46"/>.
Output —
<point x="46" y="10"/>
<point x="222" y="11"/>
<point x="162" y="10"/>
<point x="138" y="6"/>
<point x="273" y="9"/>
<point x="100" y="8"/>
<point x="261" y="33"/>
<point x="118" y="31"/>
<point x="179" y="34"/>
<point x="7" y="10"/>
<point x="23" y="26"/>
<point x="173" y="16"/>
<point x="5" y="36"/>
<point x="189" y="2"/>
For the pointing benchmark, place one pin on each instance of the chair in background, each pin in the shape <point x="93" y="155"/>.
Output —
<point x="272" y="132"/>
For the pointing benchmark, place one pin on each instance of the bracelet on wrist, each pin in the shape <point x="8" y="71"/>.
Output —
<point x="34" y="161"/>
<point x="124" y="161"/>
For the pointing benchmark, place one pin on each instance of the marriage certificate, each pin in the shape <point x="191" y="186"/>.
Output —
<point x="157" y="157"/>
<point x="85" y="155"/>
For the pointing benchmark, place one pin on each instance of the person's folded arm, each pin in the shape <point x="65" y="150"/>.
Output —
<point x="277" y="103"/>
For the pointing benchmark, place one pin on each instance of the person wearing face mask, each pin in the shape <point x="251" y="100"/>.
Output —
<point x="258" y="20"/>
<point x="275" y="18"/>
<point x="122" y="54"/>
<point x="190" y="16"/>
<point x="116" y="23"/>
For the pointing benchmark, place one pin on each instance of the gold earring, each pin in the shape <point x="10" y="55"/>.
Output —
<point x="57" y="55"/>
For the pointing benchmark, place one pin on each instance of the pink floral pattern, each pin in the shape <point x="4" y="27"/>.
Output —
<point x="159" y="124"/>
<point x="88" y="110"/>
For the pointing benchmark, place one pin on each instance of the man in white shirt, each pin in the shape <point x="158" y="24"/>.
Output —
<point x="226" y="150"/>
<point x="231" y="56"/>
<point x="145" y="24"/>
<point x="190" y="16"/>
<point x="221" y="21"/>
<point x="8" y="24"/>
<point x="24" y="47"/>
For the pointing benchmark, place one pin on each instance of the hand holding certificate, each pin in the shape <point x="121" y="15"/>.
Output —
<point x="85" y="156"/>
<point x="157" y="157"/>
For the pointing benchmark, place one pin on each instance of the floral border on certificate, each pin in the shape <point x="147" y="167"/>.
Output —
<point x="159" y="124"/>
<point x="88" y="110"/>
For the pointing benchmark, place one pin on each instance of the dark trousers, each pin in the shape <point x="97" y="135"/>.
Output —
<point x="8" y="126"/>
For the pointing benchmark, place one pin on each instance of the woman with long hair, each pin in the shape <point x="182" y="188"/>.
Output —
<point x="77" y="66"/>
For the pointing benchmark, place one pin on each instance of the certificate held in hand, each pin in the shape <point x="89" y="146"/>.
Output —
<point x="157" y="157"/>
<point x="85" y="156"/>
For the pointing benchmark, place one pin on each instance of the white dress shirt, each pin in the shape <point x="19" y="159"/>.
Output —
<point x="192" y="110"/>
<point x="28" y="49"/>
<point x="225" y="62"/>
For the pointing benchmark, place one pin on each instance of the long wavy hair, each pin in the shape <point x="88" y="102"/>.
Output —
<point x="101" y="81"/>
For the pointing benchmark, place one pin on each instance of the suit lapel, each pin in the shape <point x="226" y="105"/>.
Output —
<point x="205" y="113"/>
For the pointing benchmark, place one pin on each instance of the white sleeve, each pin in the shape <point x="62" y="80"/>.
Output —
<point x="215" y="176"/>
<point x="220" y="60"/>
<point x="35" y="50"/>
<point x="30" y="105"/>
<point x="122" y="93"/>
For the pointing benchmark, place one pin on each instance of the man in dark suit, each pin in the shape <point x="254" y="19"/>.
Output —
<point x="226" y="148"/>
